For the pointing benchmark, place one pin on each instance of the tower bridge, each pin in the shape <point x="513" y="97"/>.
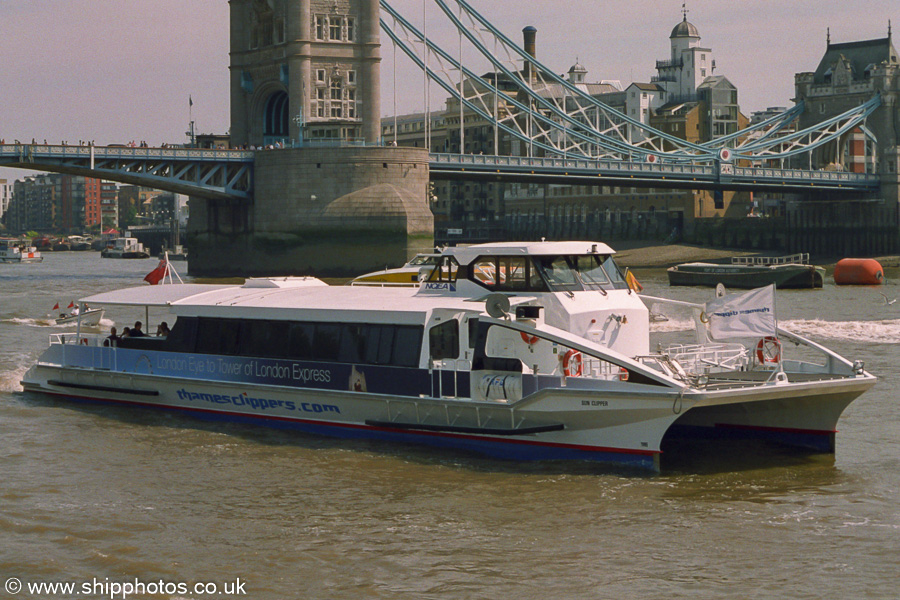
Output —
<point x="305" y="74"/>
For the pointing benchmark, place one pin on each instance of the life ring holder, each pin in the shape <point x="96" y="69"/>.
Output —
<point x="768" y="350"/>
<point x="531" y="340"/>
<point x="573" y="364"/>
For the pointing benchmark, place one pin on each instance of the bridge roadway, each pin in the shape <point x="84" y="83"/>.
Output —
<point x="228" y="174"/>
<point x="581" y="171"/>
<point x="207" y="173"/>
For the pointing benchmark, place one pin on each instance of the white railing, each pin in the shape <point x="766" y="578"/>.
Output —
<point x="697" y="359"/>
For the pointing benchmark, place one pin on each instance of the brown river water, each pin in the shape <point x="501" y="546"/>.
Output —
<point x="100" y="496"/>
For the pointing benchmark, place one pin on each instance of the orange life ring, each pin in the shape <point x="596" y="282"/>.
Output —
<point x="572" y="363"/>
<point x="528" y="339"/>
<point x="623" y="374"/>
<point x="768" y="350"/>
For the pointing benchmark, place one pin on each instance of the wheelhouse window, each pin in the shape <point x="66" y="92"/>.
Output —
<point x="581" y="272"/>
<point x="424" y="260"/>
<point x="507" y="273"/>
<point x="446" y="270"/>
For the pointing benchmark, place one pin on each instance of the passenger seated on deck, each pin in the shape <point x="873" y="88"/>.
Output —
<point x="162" y="330"/>
<point x="112" y="339"/>
<point x="126" y="333"/>
<point x="136" y="330"/>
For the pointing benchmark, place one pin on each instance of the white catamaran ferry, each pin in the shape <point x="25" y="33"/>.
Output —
<point x="516" y="350"/>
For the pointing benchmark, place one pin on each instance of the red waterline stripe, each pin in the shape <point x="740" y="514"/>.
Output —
<point x="777" y="429"/>
<point x="366" y="427"/>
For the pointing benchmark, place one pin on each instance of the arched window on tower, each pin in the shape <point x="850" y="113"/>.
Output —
<point x="275" y="124"/>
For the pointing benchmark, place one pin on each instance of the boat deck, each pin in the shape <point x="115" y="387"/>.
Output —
<point x="742" y="379"/>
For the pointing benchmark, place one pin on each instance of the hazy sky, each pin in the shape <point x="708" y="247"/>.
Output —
<point x="120" y="70"/>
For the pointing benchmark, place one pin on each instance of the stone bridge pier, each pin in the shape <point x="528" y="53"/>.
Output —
<point x="335" y="212"/>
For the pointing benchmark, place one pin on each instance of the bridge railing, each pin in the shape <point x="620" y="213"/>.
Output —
<point x="576" y="166"/>
<point x="831" y="177"/>
<point x="27" y="151"/>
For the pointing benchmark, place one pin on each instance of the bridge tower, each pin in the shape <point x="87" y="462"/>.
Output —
<point x="332" y="200"/>
<point x="305" y="69"/>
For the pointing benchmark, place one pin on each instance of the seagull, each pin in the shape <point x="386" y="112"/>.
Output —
<point x="886" y="301"/>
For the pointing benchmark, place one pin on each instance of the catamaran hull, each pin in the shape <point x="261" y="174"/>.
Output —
<point x="800" y="415"/>
<point x="551" y="425"/>
<point x="611" y="426"/>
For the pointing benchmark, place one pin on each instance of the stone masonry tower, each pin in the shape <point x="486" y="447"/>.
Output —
<point x="308" y="70"/>
<point x="304" y="69"/>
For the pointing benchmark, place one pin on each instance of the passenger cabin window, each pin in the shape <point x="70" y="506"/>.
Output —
<point x="361" y="343"/>
<point x="443" y="340"/>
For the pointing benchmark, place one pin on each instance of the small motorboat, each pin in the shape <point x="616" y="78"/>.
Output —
<point x="89" y="318"/>
<point x="125" y="247"/>
<point x="14" y="251"/>
<point x="405" y="276"/>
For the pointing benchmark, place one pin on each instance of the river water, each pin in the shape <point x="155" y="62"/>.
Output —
<point x="102" y="496"/>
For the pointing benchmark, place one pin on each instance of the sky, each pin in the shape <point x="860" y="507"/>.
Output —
<point x="115" y="71"/>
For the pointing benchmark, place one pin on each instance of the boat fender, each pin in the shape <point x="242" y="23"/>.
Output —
<point x="531" y="340"/>
<point x="768" y="350"/>
<point x="572" y="363"/>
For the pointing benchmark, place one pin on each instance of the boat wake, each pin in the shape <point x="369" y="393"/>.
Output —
<point x="878" y="332"/>
<point x="41" y="322"/>
<point x="11" y="381"/>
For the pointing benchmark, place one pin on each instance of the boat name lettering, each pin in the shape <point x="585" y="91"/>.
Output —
<point x="440" y="286"/>
<point x="257" y="403"/>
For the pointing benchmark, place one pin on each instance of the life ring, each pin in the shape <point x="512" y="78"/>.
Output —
<point x="528" y="339"/>
<point x="623" y="374"/>
<point x="572" y="363"/>
<point x="768" y="350"/>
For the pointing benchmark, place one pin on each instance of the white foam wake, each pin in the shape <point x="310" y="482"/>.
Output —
<point x="878" y="332"/>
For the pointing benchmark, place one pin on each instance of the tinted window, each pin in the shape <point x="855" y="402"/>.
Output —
<point x="407" y="346"/>
<point x="257" y="339"/>
<point x="300" y="340"/>
<point x="443" y="340"/>
<point x="354" y="339"/>
<point x="218" y="336"/>
<point x="327" y="341"/>
<point x="183" y="336"/>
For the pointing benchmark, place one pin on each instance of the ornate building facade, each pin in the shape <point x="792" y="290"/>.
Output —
<point x="304" y="70"/>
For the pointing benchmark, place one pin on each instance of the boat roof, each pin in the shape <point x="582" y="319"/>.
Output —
<point x="466" y="254"/>
<point x="257" y="300"/>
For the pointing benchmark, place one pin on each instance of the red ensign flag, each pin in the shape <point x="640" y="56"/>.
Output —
<point x="157" y="274"/>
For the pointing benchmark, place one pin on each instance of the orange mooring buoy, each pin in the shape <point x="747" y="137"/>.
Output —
<point x="858" y="271"/>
